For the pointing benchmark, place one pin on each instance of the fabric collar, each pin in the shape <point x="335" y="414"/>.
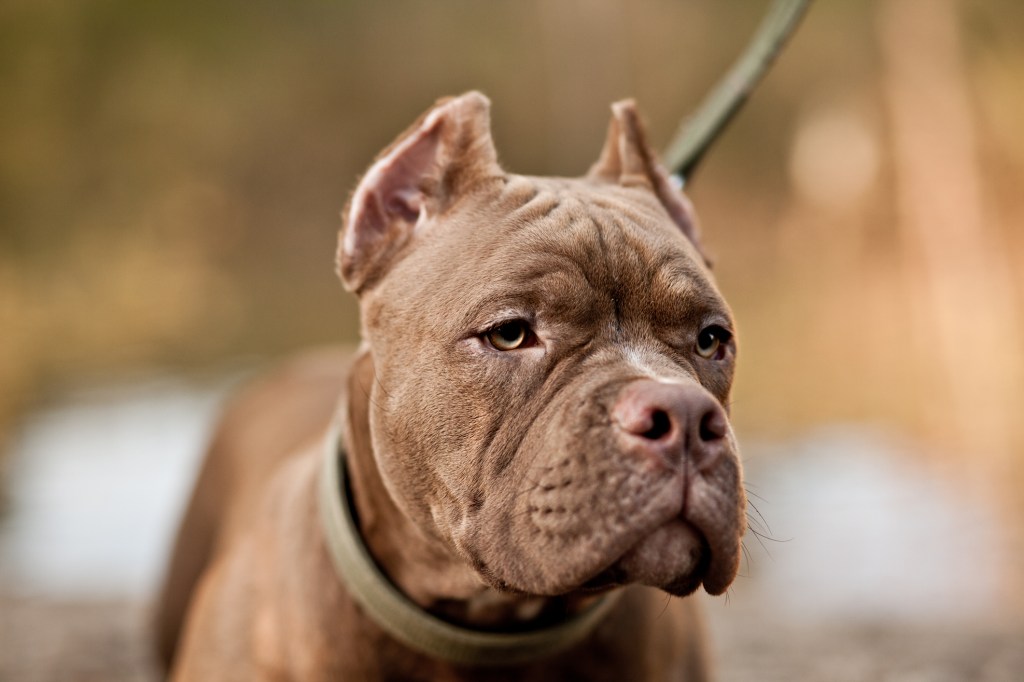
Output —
<point x="397" y="615"/>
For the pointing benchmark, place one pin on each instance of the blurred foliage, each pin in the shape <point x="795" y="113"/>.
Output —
<point x="171" y="174"/>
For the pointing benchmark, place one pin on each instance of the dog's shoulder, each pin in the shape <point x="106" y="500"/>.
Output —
<point x="264" y="423"/>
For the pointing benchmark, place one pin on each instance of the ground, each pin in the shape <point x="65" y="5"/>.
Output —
<point x="46" y="641"/>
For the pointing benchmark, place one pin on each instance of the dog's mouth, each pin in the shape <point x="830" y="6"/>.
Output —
<point x="677" y="538"/>
<point x="592" y="522"/>
<point x="675" y="557"/>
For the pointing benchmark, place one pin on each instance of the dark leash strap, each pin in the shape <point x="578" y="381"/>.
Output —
<point x="699" y="131"/>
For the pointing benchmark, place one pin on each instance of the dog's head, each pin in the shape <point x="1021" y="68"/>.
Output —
<point x="553" y="359"/>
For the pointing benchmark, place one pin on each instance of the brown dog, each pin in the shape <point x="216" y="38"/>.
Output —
<point x="532" y="437"/>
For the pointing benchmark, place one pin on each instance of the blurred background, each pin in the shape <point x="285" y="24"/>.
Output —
<point x="170" y="181"/>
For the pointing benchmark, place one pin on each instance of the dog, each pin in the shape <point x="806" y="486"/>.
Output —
<point x="531" y="450"/>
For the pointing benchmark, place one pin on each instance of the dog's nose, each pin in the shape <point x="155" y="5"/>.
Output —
<point x="668" y="422"/>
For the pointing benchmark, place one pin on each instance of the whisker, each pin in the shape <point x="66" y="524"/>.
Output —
<point x="745" y="554"/>
<point x="751" y="493"/>
<point x="760" y="541"/>
<point x="376" y="378"/>
<point x="760" y="516"/>
<point x="668" y="600"/>
<point x="369" y="397"/>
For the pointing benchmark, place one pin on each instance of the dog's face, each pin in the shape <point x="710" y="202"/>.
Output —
<point x="553" y="362"/>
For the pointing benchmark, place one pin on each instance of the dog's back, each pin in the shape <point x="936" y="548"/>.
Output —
<point x="263" y="423"/>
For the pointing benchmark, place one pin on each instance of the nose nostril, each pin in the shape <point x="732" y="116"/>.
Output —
<point x="660" y="425"/>
<point x="712" y="426"/>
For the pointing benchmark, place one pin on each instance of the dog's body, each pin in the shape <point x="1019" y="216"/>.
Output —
<point x="535" y="418"/>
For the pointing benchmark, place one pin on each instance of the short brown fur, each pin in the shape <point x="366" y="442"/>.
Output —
<point x="493" y="488"/>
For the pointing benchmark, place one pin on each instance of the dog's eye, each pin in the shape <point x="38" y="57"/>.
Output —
<point x="711" y="342"/>
<point x="509" y="336"/>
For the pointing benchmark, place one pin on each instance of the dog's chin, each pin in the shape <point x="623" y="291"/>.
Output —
<point x="674" y="558"/>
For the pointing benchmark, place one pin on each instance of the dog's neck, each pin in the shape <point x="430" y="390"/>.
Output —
<point x="426" y="571"/>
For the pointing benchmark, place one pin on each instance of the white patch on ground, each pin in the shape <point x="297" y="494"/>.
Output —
<point x="867" y="532"/>
<point x="95" y="485"/>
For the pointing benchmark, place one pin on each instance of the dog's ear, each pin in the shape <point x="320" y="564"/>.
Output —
<point x="418" y="176"/>
<point x="628" y="160"/>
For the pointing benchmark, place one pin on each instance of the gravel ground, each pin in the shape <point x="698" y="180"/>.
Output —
<point x="51" y="641"/>
<point x="46" y="641"/>
<point x="876" y="652"/>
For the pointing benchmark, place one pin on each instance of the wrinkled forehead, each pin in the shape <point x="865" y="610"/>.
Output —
<point x="602" y="228"/>
<point x="539" y="235"/>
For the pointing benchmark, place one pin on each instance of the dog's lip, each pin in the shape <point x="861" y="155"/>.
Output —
<point x="676" y="557"/>
<point x="608" y="578"/>
<point x="721" y="530"/>
<point x="703" y="547"/>
<point x="720" y="571"/>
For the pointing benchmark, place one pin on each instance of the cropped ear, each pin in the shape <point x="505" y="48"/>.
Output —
<point x="628" y="160"/>
<point x="418" y="176"/>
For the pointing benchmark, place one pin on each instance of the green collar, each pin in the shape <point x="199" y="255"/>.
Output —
<point x="407" y="622"/>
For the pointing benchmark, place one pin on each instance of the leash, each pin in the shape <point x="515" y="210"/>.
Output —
<point x="699" y="131"/>
<point x="406" y="621"/>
